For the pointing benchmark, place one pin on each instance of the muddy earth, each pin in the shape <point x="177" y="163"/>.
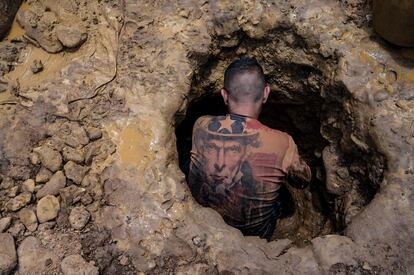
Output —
<point x="97" y="102"/>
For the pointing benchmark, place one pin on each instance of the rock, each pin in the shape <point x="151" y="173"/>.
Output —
<point x="18" y="202"/>
<point x="34" y="158"/>
<point x="74" y="135"/>
<point x="381" y="95"/>
<point x="7" y="183"/>
<point x="8" y="258"/>
<point x="33" y="258"/>
<point x="70" y="37"/>
<point x="5" y="223"/>
<point x="94" y="133"/>
<point x="46" y="226"/>
<point x="332" y="249"/>
<point x="75" y="172"/>
<point x="93" y="207"/>
<point x="12" y="192"/>
<point x="39" y="25"/>
<point x="47" y="208"/>
<point x="43" y="175"/>
<point x="53" y="186"/>
<point x="8" y="9"/>
<point x="50" y="158"/>
<point x="29" y="186"/>
<point x="16" y="229"/>
<point x="75" y="264"/>
<point x="28" y="218"/>
<point x="90" y="180"/>
<point x="79" y="217"/>
<point x="71" y="154"/>
<point x="86" y="199"/>
<point x="71" y="194"/>
<point x="334" y="183"/>
<point x="37" y="66"/>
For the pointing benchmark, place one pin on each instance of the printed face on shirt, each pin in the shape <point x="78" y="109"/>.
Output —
<point x="223" y="160"/>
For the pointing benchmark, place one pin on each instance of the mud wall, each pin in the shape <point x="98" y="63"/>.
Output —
<point x="96" y="133"/>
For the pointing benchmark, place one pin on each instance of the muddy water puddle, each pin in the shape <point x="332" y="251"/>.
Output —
<point x="134" y="142"/>
<point x="52" y="63"/>
<point x="16" y="31"/>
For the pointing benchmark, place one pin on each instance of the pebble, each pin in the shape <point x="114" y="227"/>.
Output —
<point x="75" y="264"/>
<point x="7" y="183"/>
<point x="94" y="133"/>
<point x="18" y="202"/>
<point x="71" y="194"/>
<point x="70" y="37"/>
<point x="50" y="158"/>
<point x="71" y="154"/>
<point x="47" y="208"/>
<point x="43" y="175"/>
<point x="29" y="186"/>
<point x="407" y="94"/>
<point x="37" y="66"/>
<point x="53" y="186"/>
<point x="34" y="158"/>
<point x="123" y="260"/>
<point x="75" y="172"/>
<point x="28" y="218"/>
<point x="5" y="224"/>
<point x="381" y="95"/>
<point x="93" y="207"/>
<point x="79" y="217"/>
<point x="8" y="257"/>
<point x="12" y="192"/>
<point x="86" y="199"/>
<point x="16" y="229"/>
<point x="77" y="137"/>
<point x="46" y="226"/>
<point x="366" y="266"/>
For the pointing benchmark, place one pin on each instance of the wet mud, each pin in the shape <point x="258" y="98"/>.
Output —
<point x="94" y="125"/>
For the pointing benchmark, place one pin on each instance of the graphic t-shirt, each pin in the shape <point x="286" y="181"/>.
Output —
<point x="238" y="165"/>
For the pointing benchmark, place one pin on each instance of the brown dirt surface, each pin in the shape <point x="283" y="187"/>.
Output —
<point x="97" y="129"/>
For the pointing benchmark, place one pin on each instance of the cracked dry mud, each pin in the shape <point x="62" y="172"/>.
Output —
<point x="89" y="164"/>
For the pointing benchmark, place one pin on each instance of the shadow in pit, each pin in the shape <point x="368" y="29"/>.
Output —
<point x="302" y="122"/>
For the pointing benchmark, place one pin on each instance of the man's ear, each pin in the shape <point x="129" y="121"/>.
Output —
<point x="225" y="96"/>
<point x="266" y="93"/>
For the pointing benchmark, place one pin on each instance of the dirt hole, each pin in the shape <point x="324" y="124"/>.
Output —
<point x="310" y="106"/>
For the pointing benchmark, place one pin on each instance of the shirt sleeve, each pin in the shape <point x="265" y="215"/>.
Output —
<point x="294" y="166"/>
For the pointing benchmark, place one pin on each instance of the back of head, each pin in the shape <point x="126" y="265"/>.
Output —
<point x="244" y="80"/>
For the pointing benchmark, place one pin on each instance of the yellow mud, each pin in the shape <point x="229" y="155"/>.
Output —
<point x="16" y="31"/>
<point x="5" y="96"/>
<point x="134" y="142"/>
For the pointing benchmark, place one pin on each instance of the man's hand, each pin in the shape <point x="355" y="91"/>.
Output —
<point x="299" y="174"/>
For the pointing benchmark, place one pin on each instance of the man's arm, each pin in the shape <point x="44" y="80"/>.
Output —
<point x="298" y="172"/>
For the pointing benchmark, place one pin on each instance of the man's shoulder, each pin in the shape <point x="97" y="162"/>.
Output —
<point x="201" y="121"/>
<point x="204" y="120"/>
<point x="276" y="133"/>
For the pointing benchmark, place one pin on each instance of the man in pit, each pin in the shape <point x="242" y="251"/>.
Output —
<point x="238" y="164"/>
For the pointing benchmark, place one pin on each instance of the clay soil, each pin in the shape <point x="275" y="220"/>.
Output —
<point x="97" y="103"/>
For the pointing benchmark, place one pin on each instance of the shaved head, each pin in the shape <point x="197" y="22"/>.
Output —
<point x="244" y="80"/>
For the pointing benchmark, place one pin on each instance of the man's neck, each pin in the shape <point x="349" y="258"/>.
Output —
<point x="245" y="110"/>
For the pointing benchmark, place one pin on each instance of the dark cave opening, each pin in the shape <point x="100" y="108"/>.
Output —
<point x="309" y="104"/>
<point x="302" y="121"/>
